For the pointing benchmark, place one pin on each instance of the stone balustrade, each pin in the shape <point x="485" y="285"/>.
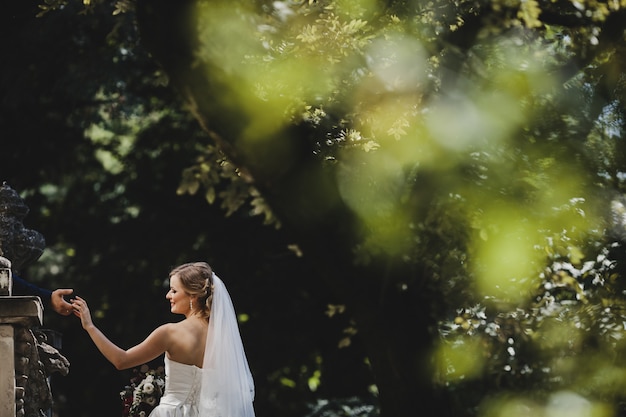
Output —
<point x="26" y="358"/>
<point x="18" y="315"/>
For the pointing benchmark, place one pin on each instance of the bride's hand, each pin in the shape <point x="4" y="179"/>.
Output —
<point x="81" y="310"/>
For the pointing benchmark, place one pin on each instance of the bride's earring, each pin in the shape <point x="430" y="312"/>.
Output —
<point x="190" y="304"/>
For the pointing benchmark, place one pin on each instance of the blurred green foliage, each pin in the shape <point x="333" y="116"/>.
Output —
<point x="454" y="169"/>
<point x="97" y="144"/>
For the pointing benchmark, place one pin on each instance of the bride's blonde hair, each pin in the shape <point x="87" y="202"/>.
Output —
<point x="197" y="281"/>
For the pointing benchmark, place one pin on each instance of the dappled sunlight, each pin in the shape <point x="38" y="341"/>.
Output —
<point x="558" y="404"/>
<point x="394" y="122"/>
<point x="559" y="334"/>
<point x="270" y="90"/>
<point x="283" y="89"/>
<point x="570" y="404"/>
<point x="228" y="39"/>
<point x="604" y="377"/>
<point x="505" y="406"/>
<point x="461" y="122"/>
<point x="364" y="9"/>
<point x="459" y="359"/>
<point x="524" y="69"/>
<point x="562" y="343"/>
<point x="505" y="259"/>
<point x="510" y="246"/>
<point x="423" y="154"/>
<point x="399" y="62"/>
<point x="227" y="34"/>
<point x="373" y="184"/>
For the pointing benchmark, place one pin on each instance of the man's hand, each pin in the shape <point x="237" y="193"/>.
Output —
<point x="58" y="302"/>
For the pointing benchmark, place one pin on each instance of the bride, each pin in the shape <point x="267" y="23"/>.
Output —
<point x="207" y="373"/>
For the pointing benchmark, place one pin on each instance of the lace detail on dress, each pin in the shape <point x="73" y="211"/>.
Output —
<point x="209" y="405"/>
<point x="194" y="392"/>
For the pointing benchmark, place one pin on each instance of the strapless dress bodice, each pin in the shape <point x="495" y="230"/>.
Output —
<point x="182" y="390"/>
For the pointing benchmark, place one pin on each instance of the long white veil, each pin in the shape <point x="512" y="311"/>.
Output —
<point x="227" y="384"/>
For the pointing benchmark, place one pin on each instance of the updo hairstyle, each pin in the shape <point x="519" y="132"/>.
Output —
<point x="197" y="281"/>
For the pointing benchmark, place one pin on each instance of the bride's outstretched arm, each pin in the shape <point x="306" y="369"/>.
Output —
<point x="154" y="345"/>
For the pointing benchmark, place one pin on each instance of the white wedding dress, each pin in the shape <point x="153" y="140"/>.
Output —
<point x="182" y="391"/>
<point x="224" y="386"/>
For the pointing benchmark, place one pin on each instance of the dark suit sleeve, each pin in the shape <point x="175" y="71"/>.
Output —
<point x="22" y="287"/>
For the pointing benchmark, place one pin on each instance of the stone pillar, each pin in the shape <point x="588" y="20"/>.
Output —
<point x="7" y="376"/>
<point x="14" y="311"/>
<point x="26" y="360"/>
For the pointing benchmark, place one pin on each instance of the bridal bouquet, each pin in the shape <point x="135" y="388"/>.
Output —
<point x="144" y="391"/>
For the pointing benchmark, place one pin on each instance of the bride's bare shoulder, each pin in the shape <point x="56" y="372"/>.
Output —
<point x="186" y="326"/>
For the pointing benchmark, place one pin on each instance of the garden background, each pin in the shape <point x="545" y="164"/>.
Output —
<point x="416" y="206"/>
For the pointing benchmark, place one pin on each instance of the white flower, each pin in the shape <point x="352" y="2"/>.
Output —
<point x="148" y="388"/>
<point x="148" y="391"/>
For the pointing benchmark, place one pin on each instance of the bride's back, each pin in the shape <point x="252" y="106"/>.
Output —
<point x="187" y="341"/>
